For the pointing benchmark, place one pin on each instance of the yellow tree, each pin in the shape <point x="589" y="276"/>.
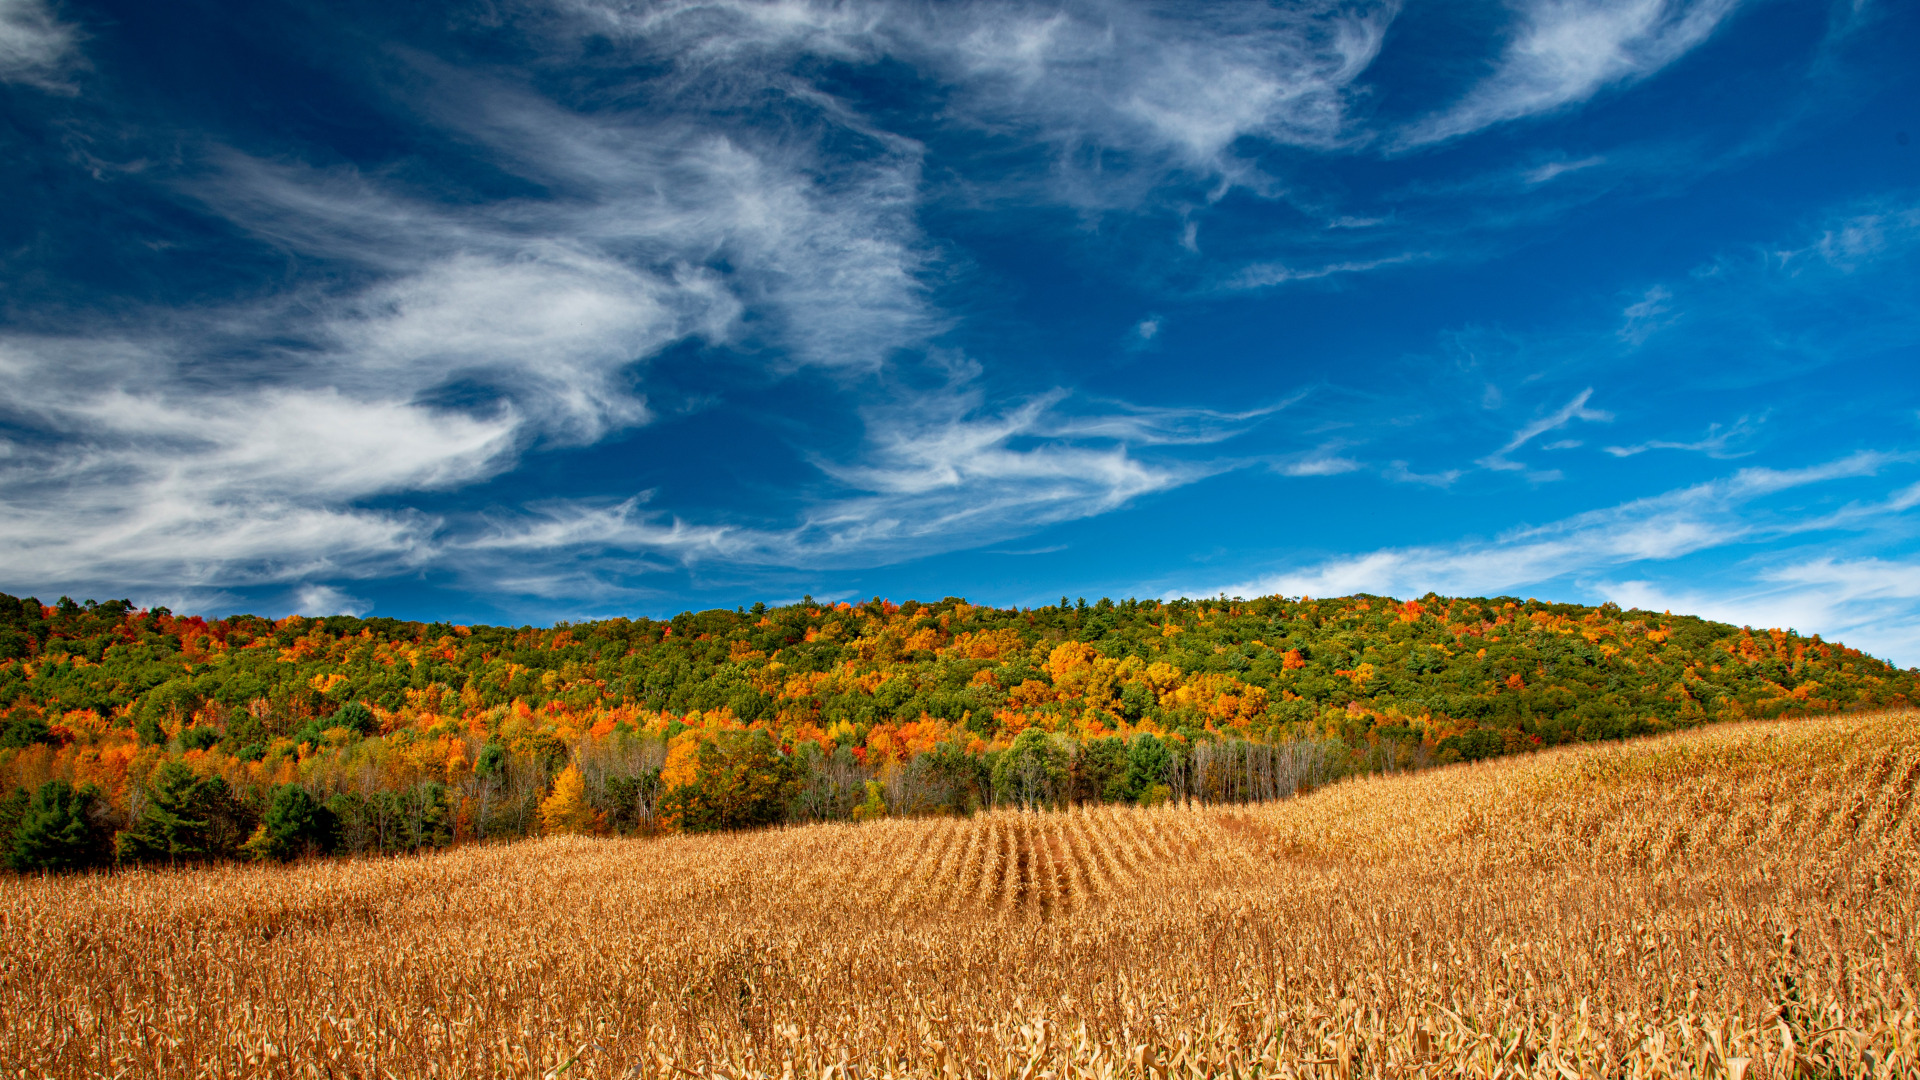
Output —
<point x="567" y="811"/>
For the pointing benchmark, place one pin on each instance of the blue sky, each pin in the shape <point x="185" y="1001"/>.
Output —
<point x="528" y="311"/>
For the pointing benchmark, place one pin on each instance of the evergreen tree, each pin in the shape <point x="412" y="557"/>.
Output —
<point x="180" y="818"/>
<point x="1147" y="758"/>
<point x="294" y="824"/>
<point x="57" y="832"/>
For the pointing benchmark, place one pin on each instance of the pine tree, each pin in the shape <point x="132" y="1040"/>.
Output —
<point x="181" y="816"/>
<point x="56" y="832"/>
<point x="294" y="823"/>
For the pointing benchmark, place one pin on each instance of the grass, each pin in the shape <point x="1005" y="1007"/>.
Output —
<point x="1734" y="901"/>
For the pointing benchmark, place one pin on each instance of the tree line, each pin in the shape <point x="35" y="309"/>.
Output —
<point x="131" y="734"/>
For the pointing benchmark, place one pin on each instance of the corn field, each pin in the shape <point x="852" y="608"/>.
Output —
<point x="1734" y="901"/>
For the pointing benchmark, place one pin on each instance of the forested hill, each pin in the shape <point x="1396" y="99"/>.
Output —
<point x="105" y="694"/>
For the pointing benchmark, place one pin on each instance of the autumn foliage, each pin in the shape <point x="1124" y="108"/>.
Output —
<point x="177" y="735"/>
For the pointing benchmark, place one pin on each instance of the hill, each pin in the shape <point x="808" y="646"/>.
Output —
<point x="402" y="735"/>
<point x="1735" y="901"/>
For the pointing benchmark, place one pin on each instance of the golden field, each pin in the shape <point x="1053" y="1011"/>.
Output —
<point x="1734" y="901"/>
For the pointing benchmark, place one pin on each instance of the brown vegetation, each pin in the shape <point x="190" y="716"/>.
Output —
<point x="1733" y="901"/>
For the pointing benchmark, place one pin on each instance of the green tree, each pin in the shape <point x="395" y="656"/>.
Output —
<point x="1147" y="758"/>
<point x="1475" y="745"/>
<point x="24" y="729"/>
<point x="295" y="824"/>
<point x="57" y="831"/>
<point x="184" y="817"/>
<point x="1033" y="771"/>
<point x="357" y="718"/>
<point x="741" y="781"/>
<point x="1100" y="770"/>
<point x="12" y="809"/>
<point x="951" y="778"/>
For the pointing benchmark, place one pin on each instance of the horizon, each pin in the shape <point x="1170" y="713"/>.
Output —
<point x="590" y="308"/>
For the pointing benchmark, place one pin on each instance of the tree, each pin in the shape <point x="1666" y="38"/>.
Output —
<point x="950" y="777"/>
<point x="874" y="807"/>
<point x="357" y="718"/>
<point x="1033" y="771"/>
<point x="57" y="832"/>
<point x="741" y="781"/>
<point x="12" y="808"/>
<point x="566" y="812"/>
<point x="1147" y="758"/>
<point x="24" y="729"/>
<point x="294" y="824"/>
<point x="184" y="817"/>
<point x="1100" y="770"/>
<point x="1475" y="745"/>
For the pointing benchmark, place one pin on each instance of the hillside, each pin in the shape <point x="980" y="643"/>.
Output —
<point x="404" y="735"/>
<point x="1735" y="901"/>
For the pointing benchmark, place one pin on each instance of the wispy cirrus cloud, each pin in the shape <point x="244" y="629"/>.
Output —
<point x="514" y="251"/>
<point x="438" y="340"/>
<point x="934" y="473"/>
<point x="1564" y="51"/>
<point x="34" y="44"/>
<point x="1175" y="86"/>
<point x="1263" y="275"/>
<point x="1716" y="443"/>
<point x="1575" y="409"/>
<point x="1587" y="551"/>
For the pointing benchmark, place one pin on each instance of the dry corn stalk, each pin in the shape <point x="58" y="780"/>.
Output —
<point x="1732" y="902"/>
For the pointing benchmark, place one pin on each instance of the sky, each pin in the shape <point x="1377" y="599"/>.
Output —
<point x="515" y="312"/>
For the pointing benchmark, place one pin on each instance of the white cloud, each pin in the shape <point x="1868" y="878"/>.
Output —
<point x="1715" y="444"/>
<point x="1261" y="275"/>
<point x="262" y="442"/>
<point x="1644" y="317"/>
<point x="436" y="341"/>
<point x="1323" y="465"/>
<point x="479" y="330"/>
<point x="1540" y="174"/>
<point x="34" y="45"/>
<point x="327" y="600"/>
<point x="1856" y="241"/>
<point x="937" y="472"/>
<point x="1399" y="473"/>
<point x="1173" y="85"/>
<point x="1657" y="529"/>
<point x="1564" y="51"/>
<point x="1866" y="603"/>
<point x="1575" y="409"/>
<point x="135" y="475"/>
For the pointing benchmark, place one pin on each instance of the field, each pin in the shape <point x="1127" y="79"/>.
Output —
<point x="1733" y="901"/>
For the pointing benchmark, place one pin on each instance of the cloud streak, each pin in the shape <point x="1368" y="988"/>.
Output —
<point x="1656" y="529"/>
<point x="939" y="473"/>
<point x="1575" y="409"/>
<point x="1564" y="51"/>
